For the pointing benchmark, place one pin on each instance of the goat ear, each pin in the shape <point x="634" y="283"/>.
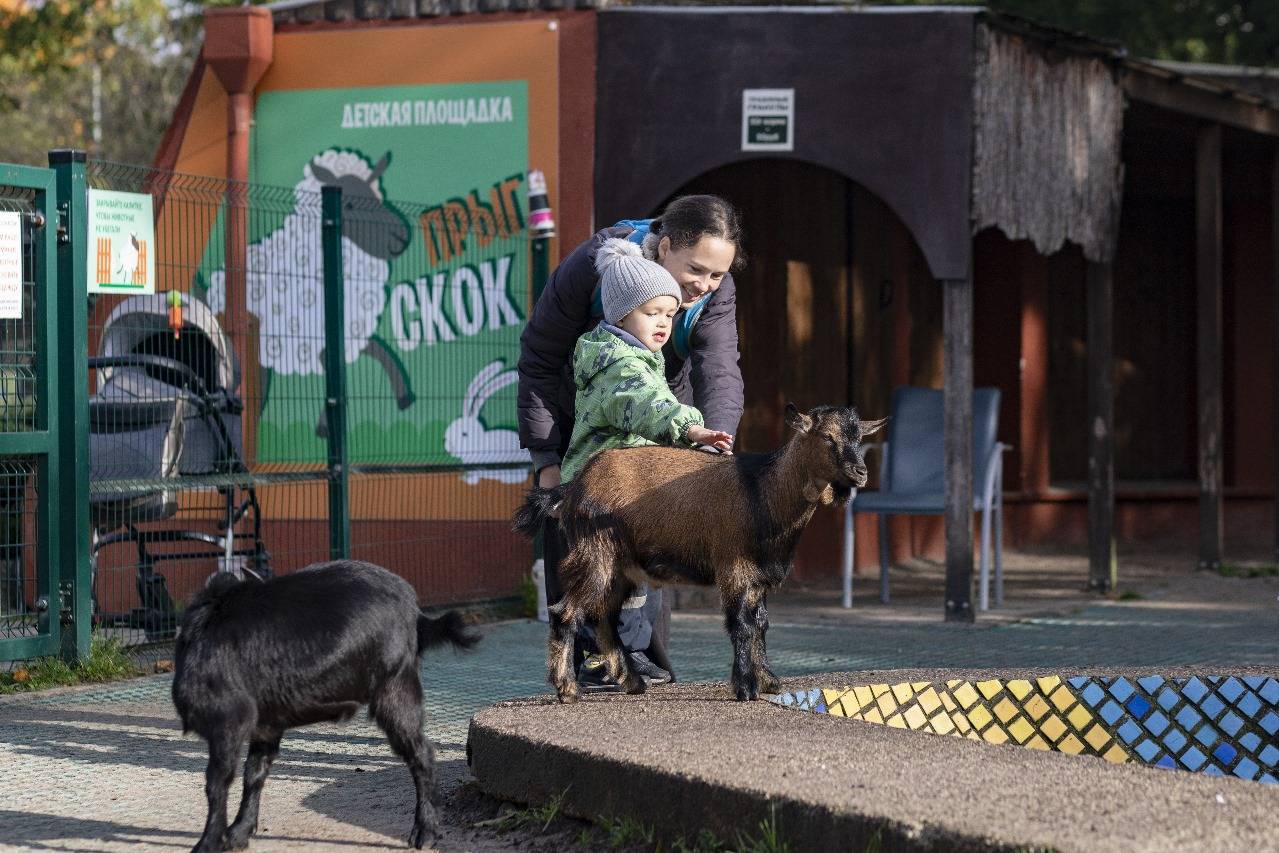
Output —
<point x="871" y="427"/>
<point x="797" y="420"/>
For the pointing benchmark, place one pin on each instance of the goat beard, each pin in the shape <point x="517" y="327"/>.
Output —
<point x="826" y="493"/>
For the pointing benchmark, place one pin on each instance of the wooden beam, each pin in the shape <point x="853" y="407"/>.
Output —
<point x="1210" y="102"/>
<point x="957" y="315"/>
<point x="1033" y="449"/>
<point x="1208" y="340"/>
<point x="1102" y="567"/>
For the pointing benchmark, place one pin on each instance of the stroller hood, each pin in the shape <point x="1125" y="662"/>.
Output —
<point x="138" y="320"/>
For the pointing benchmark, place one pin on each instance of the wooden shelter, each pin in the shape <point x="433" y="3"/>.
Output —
<point x="957" y="198"/>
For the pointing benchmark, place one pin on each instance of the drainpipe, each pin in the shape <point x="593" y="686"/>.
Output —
<point x="238" y="42"/>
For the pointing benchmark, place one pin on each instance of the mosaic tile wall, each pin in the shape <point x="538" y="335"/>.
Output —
<point x="1219" y="725"/>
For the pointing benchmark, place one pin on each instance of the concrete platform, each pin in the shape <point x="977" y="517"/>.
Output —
<point x="684" y="758"/>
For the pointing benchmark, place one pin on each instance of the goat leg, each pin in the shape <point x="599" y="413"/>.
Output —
<point x="224" y="750"/>
<point x="397" y="707"/>
<point x="741" y="630"/>
<point x="768" y="680"/>
<point x="559" y="657"/>
<point x="262" y="754"/>
<point x="608" y="636"/>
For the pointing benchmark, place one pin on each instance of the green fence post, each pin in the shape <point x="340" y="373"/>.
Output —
<point x="335" y="374"/>
<point x="71" y="361"/>
<point x="542" y="229"/>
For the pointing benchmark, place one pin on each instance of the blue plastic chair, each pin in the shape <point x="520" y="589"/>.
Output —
<point x="911" y="472"/>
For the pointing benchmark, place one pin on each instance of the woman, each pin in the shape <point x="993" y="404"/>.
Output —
<point x="698" y="240"/>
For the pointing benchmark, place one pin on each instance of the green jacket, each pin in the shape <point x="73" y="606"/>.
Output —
<point x="622" y="400"/>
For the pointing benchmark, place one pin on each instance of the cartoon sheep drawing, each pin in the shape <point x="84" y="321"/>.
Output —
<point x="126" y="260"/>
<point x="284" y="280"/>
<point x="475" y="444"/>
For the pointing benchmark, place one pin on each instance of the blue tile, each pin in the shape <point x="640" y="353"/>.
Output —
<point x="1230" y="688"/>
<point x="1212" y="706"/>
<point x="1121" y="689"/>
<point x="1213" y="770"/>
<point x="815" y="695"/>
<point x="1268" y="779"/>
<point x="820" y="708"/>
<point x="1249" y="704"/>
<point x="1129" y="731"/>
<point x="1137" y="706"/>
<point x="1230" y="724"/>
<point x="1175" y="740"/>
<point x="786" y="699"/>
<point x="1250" y="741"/>
<point x="1168" y="699"/>
<point x="1092" y="694"/>
<point x="1111" y="712"/>
<point x="1166" y="761"/>
<point x="1193" y="759"/>
<point x="1206" y="735"/>
<point x="1270" y="722"/>
<point x="1079" y="681"/>
<point x="1151" y="683"/>
<point x="1156" y="723"/>
<point x="1188" y="718"/>
<point x="1270" y="755"/>
<point x="1270" y="691"/>
<point x="1246" y="769"/>
<point x="1225" y="753"/>
<point x="1212" y="679"/>
<point x="1194" y="689"/>
<point x="1147" y="750"/>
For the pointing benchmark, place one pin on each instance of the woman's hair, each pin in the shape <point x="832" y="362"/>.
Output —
<point x="689" y="218"/>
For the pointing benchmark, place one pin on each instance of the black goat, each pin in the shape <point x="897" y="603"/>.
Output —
<point x="662" y="515"/>
<point x="256" y="658"/>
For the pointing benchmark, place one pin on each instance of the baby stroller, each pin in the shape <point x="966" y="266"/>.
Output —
<point x="165" y="418"/>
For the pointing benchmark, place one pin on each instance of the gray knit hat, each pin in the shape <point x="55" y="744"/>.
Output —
<point x="628" y="279"/>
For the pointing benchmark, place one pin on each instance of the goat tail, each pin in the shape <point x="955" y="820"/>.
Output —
<point x="537" y="507"/>
<point x="448" y="628"/>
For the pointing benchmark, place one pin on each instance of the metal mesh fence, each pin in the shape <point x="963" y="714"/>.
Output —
<point x="210" y="407"/>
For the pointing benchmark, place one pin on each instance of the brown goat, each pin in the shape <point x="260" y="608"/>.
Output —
<point x="662" y="515"/>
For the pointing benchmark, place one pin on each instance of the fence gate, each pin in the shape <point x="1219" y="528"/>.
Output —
<point x="44" y="586"/>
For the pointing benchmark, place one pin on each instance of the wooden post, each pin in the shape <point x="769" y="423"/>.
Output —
<point x="1102" y="567"/>
<point x="958" y="403"/>
<point x="1274" y="277"/>
<point x="1208" y="340"/>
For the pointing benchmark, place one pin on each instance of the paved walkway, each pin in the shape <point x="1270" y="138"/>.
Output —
<point x="105" y="768"/>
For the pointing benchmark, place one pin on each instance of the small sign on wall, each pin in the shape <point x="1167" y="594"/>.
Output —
<point x="768" y="119"/>
<point x="10" y="266"/>
<point x="121" y="242"/>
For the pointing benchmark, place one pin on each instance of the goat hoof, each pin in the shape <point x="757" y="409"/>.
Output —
<point x="568" y="697"/>
<point x="422" y="835"/>
<point x="768" y="682"/>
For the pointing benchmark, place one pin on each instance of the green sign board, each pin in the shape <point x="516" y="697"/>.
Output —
<point x="435" y="256"/>
<point x="121" y="242"/>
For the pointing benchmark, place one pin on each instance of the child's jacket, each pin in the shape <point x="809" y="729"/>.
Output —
<point x="622" y="399"/>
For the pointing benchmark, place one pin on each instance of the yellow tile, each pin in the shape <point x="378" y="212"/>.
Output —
<point x="942" y="724"/>
<point x="990" y="689"/>
<point x="1053" y="727"/>
<point x="994" y="734"/>
<point x="830" y="697"/>
<point x="873" y="716"/>
<point x="928" y="700"/>
<point x="878" y="690"/>
<point x="886" y="704"/>
<point x="1037" y="742"/>
<point x="973" y="736"/>
<point x="1062" y="698"/>
<point x="965" y="694"/>
<point x="915" y="718"/>
<point x="1021" y="729"/>
<point x="1116" y="755"/>
<point x="948" y="702"/>
<point x="919" y="685"/>
<point x="835" y="709"/>
<point x="903" y="692"/>
<point x="979" y="717"/>
<point x="1097" y="737"/>
<point x="1047" y="683"/>
<point x="961" y="722"/>
<point x="896" y="721"/>
<point x="1005" y="710"/>
<point x="864" y="696"/>
<point x="1070" y="744"/>
<point x="1080" y="718"/>
<point x="1036" y="707"/>
<point x="1019" y="688"/>
<point x="954" y="682"/>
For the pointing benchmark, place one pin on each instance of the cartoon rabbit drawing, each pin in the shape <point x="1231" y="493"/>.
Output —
<point x="469" y="440"/>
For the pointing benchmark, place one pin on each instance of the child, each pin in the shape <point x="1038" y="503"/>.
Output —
<point x="623" y="401"/>
<point x="622" y="396"/>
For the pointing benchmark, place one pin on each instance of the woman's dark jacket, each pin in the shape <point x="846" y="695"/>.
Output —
<point x="709" y="378"/>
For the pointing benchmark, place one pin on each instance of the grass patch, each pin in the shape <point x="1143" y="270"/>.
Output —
<point x="540" y="817"/>
<point x="528" y="597"/>
<point x="107" y="661"/>
<point x="1255" y="570"/>
<point x="1130" y="595"/>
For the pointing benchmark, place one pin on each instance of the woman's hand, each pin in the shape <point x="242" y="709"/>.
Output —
<point x="718" y="439"/>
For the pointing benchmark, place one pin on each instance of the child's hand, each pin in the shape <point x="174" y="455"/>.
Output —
<point x="718" y="439"/>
